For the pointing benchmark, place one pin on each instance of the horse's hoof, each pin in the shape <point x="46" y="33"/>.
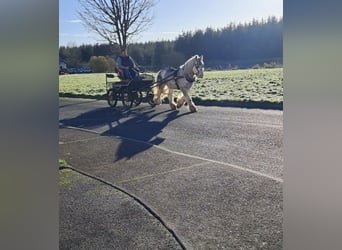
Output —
<point x="173" y="106"/>
<point x="193" y="109"/>
<point x="157" y="102"/>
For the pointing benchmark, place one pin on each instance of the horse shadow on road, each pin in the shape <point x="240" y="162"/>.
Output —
<point x="138" y="127"/>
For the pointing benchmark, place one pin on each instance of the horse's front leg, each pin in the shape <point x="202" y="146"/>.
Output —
<point x="180" y="100"/>
<point x="189" y="101"/>
<point x="171" y="101"/>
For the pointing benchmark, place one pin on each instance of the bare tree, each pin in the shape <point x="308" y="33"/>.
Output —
<point x="117" y="20"/>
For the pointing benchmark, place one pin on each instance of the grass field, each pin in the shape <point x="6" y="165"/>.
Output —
<point x="256" y="85"/>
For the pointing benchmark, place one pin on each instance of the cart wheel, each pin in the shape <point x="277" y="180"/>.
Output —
<point x="127" y="99"/>
<point x="112" y="97"/>
<point x="138" y="97"/>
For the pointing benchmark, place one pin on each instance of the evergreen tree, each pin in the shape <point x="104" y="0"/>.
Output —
<point x="244" y="45"/>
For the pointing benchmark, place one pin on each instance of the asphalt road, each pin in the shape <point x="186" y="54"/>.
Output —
<point x="248" y="138"/>
<point x="214" y="176"/>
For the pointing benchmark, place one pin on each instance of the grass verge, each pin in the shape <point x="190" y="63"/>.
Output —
<point x="259" y="88"/>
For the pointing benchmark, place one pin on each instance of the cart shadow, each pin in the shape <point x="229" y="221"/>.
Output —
<point x="139" y="127"/>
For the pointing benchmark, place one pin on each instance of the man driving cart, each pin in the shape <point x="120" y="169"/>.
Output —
<point x="126" y="66"/>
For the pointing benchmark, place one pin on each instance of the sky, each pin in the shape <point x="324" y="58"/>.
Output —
<point x="171" y="18"/>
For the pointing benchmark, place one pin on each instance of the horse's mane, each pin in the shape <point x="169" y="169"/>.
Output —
<point x="188" y="64"/>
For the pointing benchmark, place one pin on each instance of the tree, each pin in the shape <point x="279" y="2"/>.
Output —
<point x="242" y="45"/>
<point x="116" y="20"/>
<point x="98" y="64"/>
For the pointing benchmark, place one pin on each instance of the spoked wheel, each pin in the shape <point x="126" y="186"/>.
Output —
<point x="138" y="97"/>
<point x="112" y="97"/>
<point x="127" y="99"/>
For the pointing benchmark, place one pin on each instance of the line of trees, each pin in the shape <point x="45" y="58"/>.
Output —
<point x="236" y="45"/>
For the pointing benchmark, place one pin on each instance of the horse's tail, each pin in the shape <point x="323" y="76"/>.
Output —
<point x="159" y="84"/>
<point x="156" y="85"/>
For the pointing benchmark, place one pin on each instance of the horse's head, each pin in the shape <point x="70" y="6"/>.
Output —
<point x="198" y="67"/>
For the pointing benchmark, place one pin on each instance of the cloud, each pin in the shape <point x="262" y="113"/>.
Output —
<point x="74" y="21"/>
<point x="75" y="35"/>
<point x="161" y="33"/>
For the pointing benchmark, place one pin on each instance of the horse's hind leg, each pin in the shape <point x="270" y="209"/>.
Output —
<point x="171" y="101"/>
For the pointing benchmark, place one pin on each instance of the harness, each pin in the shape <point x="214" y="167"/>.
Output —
<point x="189" y="79"/>
<point x="175" y="76"/>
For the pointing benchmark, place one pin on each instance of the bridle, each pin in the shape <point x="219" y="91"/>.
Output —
<point x="197" y="66"/>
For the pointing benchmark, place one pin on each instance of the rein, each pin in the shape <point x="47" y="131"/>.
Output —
<point x="175" y="77"/>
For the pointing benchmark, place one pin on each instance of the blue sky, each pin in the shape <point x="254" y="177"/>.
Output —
<point x="171" y="18"/>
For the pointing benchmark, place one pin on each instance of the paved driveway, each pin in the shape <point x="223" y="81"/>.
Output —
<point x="208" y="180"/>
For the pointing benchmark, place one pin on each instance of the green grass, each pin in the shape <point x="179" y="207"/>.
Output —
<point x="83" y="84"/>
<point x="65" y="177"/>
<point x="62" y="163"/>
<point x="259" y="85"/>
<point x="256" y="85"/>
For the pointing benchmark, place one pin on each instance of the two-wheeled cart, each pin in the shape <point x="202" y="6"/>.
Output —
<point x="129" y="91"/>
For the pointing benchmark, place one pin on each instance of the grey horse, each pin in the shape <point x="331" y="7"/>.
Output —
<point x="181" y="78"/>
